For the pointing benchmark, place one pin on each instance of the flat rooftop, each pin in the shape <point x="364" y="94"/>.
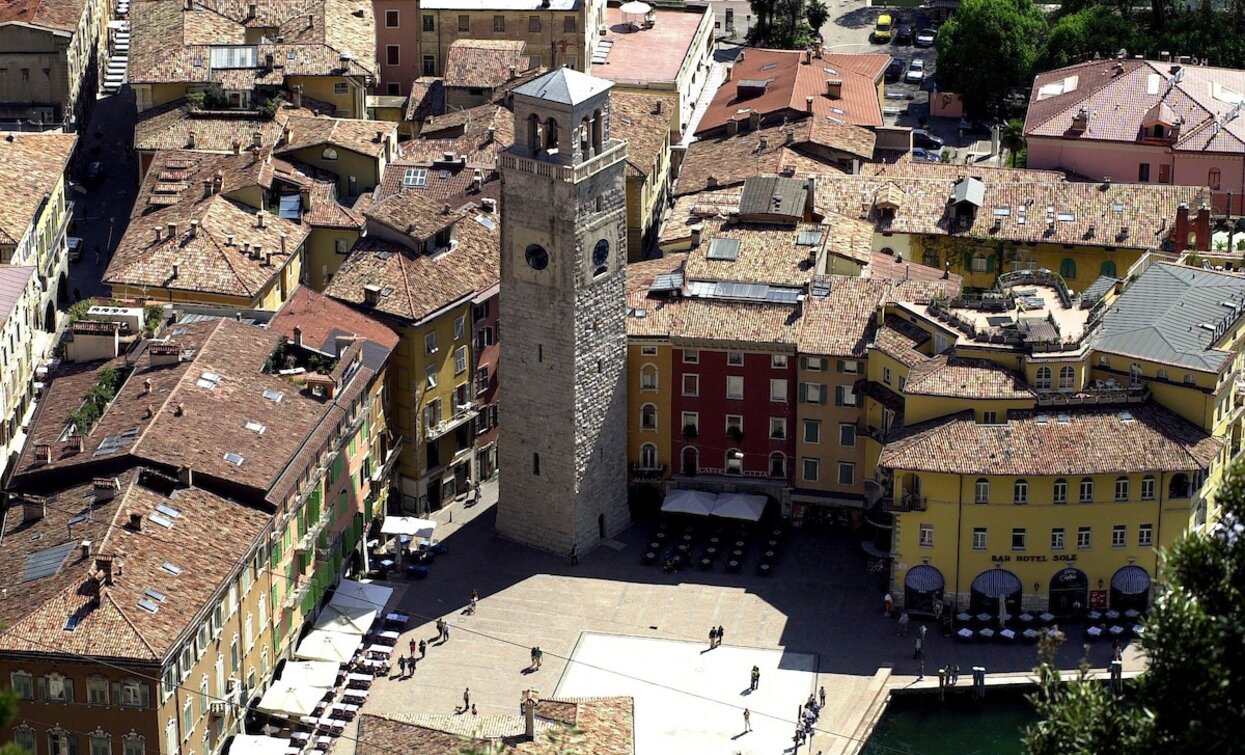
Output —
<point x="652" y="55"/>
<point x="1041" y="303"/>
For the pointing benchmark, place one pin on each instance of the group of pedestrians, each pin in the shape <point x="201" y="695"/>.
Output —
<point x="406" y="665"/>
<point x="715" y="636"/>
<point x="538" y="655"/>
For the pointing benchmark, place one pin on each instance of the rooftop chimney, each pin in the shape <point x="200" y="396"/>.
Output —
<point x="158" y="234"/>
<point x="284" y="236"/>
<point x="186" y="476"/>
<point x="488" y="204"/>
<point x="1080" y="121"/>
<point x="75" y="444"/>
<point x="834" y="89"/>
<point x="808" y="104"/>
<point x="695" y="234"/>
<point x="207" y="187"/>
<point x="146" y="386"/>
<point x="371" y="294"/>
<point x="177" y="271"/>
<point x="190" y="139"/>
<point x="190" y="5"/>
<point x="237" y="146"/>
<point x="172" y="231"/>
<point x="268" y="259"/>
<point x="33" y="508"/>
<point x="298" y="336"/>
<point x="529" y="700"/>
<point x="194" y="229"/>
<point x="257" y="252"/>
<point x="380" y="136"/>
<point x="179" y="410"/>
<point x="103" y="562"/>
<point x="136" y="521"/>
<point x="105" y="488"/>
<point x="259" y="219"/>
<point x="732" y="126"/>
<point x="297" y="92"/>
<point x="84" y="549"/>
<point x="251" y="11"/>
<point x="754" y="120"/>
<point x="43" y="453"/>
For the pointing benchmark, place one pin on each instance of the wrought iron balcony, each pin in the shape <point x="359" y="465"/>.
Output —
<point x="462" y="414"/>
<point x="903" y="504"/>
<point x="642" y="472"/>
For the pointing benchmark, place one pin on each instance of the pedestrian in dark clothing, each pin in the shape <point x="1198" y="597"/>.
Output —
<point x="540" y="657"/>
<point x="721" y="632"/>
<point x="466" y="698"/>
<point x="747" y="720"/>
<point x="423" y="649"/>
<point x="821" y="695"/>
<point x="411" y="645"/>
<point x="533" y="666"/>
<point x="474" y="597"/>
<point x="756" y="678"/>
<point x="473" y="709"/>
<point x="402" y="665"/>
<point x="574" y="554"/>
<point x="713" y="638"/>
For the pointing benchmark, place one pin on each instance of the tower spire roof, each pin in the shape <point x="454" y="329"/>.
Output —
<point x="564" y="85"/>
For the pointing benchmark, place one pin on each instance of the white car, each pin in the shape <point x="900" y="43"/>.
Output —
<point x="916" y="71"/>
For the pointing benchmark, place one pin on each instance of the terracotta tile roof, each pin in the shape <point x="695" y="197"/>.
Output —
<point x="325" y="210"/>
<point x="414" y="214"/>
<point x="324" y="38"/>
<point x="725" y="320"/>
<point x="207" y="260"/>
<point x="1057" y="211"/>
<point x="658" y="313"/>
<point x="692" y="209"/>
<point x="840" y="323"/>
<point x="1119" y="95"/>
<point x="460" y="121"/>
<point x="958" y="377"/>
<point x="643" y="119"/>
<point x="1091" y="441"/>
<point x="913" y="281"/>
<point x="484" y="63"/>
<point x="767" y="253"/>
<point x="849" y="237"/>
<point x="322" y="319"/>
<point x="206" y="541"/>
<point x="722" y="161"/>
<point x="825" y="132"/>
<point x="364" y="137"/>
<point x="602" y="726"/>
<point x="158" y="433"/>
<point x="789" y="80"/>
<point x="61" y="15"/>
<point x="899" y="339"/>
<point x="414" y="284"/>
<point x="170" y="126"/>
<point x="13" y="282"/>
<point x="30" y="167"/>
<point x="427" y="96"/>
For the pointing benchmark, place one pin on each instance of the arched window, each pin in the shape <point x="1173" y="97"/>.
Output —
<point x="1147" y="488"/>
<point x="1042" y="381"/>
<point x="1061" y="491"/>
<point x="598" y="131"/>
<point x="585" y="137"/>
<point x="648" y="417"/>
<point x="1121" y="488"/>
<point x="1020" y="492"/>
<point x="1179" y="486"/>
<point x="777" y="464"/>
<point x="691" y="460"/>
<point x="734" y="461"/>
<point x="981" y="491"/>
<point x="1067" y="377"/>
<point x="1087" y="490"/>
<point x="1107" y="269"/>
<point x="536" y="464"/>
<point x="329" y="153"/>
<point x="551" y="134"/>
<point x="1067" y="268"/>
<point x="648" y="456"/>
<point x="533" y="132"/>
<point x="1212" y="179"/>
<point x="648" y="378"/>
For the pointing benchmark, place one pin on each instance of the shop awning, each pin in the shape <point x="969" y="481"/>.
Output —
<point x="320" y="645"/>
<point x="287" y="699"/>
<point x="408" y="525"/>
<point x="310" y="673"/>
<point x="1131" y="580"/>
<point x="360" y="595"/>
<point x="740" y="506"/>
<point x="349" y="619"/>
<point x="997" y="583"/>
<point x="696" y="502"/>
<point x="249" y="744"/>
<point x="924" y="578"/>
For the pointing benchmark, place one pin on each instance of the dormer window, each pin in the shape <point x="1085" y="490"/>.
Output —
<point x="1160" y="131"/>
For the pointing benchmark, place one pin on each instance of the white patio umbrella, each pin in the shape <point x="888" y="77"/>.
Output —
<point x="320" y="645"/>
<point x="283" y="698"/>
<point x="635" y="8"/>
<point x="682" y="501"/>
<point x="310" y="673"/>
<point x="350" y="619"/>
<point x="352" y="594"/>
<point x="250" y="744"/>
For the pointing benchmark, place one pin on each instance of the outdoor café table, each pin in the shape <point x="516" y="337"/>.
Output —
<point x="1132" y="613"/>
<point x="1116" y="630"/>
<point x="1007" y="634"/>
<point x="963" y="617"/>
<point x="381" y="650"/>
<point x="388" y="637"/>
<point x="355" y="696"/>
<point x="376" y="667"/>
<point x="965" y="633"/>
<point x="1094" y="615"/>
<point x="1030" y="634"/>
<point x="308" y="720"/>
<point x="359" y="680"/>
<point x="1025" y="618"/>
<point x="1047" y="618"/>
<point x="397" y="618"/>
<point x="1094" y="632"/>
<point x="986" y="633"/>
<point x="300" y="737"/>
<point x="984" y="618"/>
<point x="1112" y="615"/>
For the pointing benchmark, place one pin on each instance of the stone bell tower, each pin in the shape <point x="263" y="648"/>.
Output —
<point x="563" y="453"/>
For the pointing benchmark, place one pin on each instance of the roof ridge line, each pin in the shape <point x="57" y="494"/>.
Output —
<point x="108" y="594"/>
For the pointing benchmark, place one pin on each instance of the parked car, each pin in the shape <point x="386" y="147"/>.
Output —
<point x="925" y="38"/>
<point x="925" y="156"/>
<point x="882" y="30"/>
<point x="894" y="71"/>
<point x="903" y="35"/>
<point x="925" y="140"/>
<point x="916" y="71"/>
<point x="75" y="248"/>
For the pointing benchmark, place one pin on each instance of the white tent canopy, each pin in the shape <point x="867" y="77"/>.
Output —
<point x="286" y="698"/>
<point x="350" y="619"/>
<point x="696" y="502"/>
<point x="320" y="645"/>
<point x="408" y="525"/>
<point x="635" y="8"/>
<point x="351" y="594"/>
<point x="740" y="506"/>
<point x="249" y="744"/>
<point x="310" y="673"/>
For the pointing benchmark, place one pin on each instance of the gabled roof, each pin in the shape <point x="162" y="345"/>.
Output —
<point x="1175" y="315"/>
<point x="484" y="63"/>
<point x="30" y="167"/>
<point x="57" y="15"/>
<point x="364" y="137"/>
<point x="565" y="86"/>
<point x="13" y="282"/>
<point x="773" y="195"/>
<point x="170" y="127"/>
<point x="959" y="377"/>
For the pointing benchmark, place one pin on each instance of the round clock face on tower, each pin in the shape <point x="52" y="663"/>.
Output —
<point x="600" y="256"/>
<point x="536" y="256"/>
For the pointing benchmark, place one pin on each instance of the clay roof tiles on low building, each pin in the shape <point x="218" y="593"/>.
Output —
<point x="718" y="162"/>
<point x="60" y="15"/>
<point x="643" y="120"/>
<point x="170" y="127"/>
<point x="364" y="137"/>
<point x="841" y="322"/>
<point x="30" y="167"/>
<point x="484" y="63"/>
<point x="959" y="377"/>
<point x="899" y="339"/>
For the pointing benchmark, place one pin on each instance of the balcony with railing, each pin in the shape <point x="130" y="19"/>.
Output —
<point x="613" y="152"/>
<point x="648" y="471"/>
<point x="1123" y="394"/>
<point x="462" y="413"/>
<point x="904" y="503"/>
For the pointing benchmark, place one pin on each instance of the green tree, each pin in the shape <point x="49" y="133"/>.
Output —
<point x="1013" y="138"/>
<point x="987" y="48"/>
<point x="8" y="711"/>
<point x="1096" y="29"/>
<point x="1191" y="697"/>
<point x="817" y="14"/>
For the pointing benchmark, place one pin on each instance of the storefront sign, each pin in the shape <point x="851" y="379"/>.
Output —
<point x="1019" y="559"/>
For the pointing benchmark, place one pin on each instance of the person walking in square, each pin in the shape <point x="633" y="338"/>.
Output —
<point x="756" y="678"/>
<point x="721" y="632"/>
<point x="411" y="645"/>
<point x="402" y="667"/>
<point x="747" y="720"/>
<point x="575" y="553"/>
<point x="713" y="638"/>
<point x="902" y="629"/>
<point x="821" y="695"/>
<point x="923" y="630"/>
<point x="887" y="603"/>
<point x="466" y="698"/>
<point x="533" y="666"/>
<point x="423" y="649"/>
<point x="474" y="598"/>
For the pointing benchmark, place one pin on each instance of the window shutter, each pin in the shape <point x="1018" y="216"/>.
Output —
<point x="41" y="688"/>
<point x="69" y="698"/>
<point x="803" y="393"/>
<point x="838" y="365"/>
<point x="968" y="261"/>
<point x="822" y="394"/>
<point x="990" y="263"/>
<point x="116" y="693"/>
